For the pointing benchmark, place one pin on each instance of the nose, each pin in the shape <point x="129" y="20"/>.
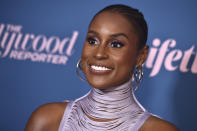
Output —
<point x="101" y="52"/>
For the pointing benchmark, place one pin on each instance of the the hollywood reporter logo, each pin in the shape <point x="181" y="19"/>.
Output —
<point x="37" y="48"/>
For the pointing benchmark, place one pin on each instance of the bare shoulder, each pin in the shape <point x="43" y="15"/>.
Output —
<point x="154" y="123"/>
<point x="46" y="117"/>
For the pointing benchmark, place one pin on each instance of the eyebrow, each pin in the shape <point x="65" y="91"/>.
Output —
<point x="113" y="35"/>
<point x="93" y="32"/>
<point x="119" y="34"/>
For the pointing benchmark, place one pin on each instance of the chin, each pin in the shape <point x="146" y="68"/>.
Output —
<point x="104" y="84"/>
<point x="98" y="84"/>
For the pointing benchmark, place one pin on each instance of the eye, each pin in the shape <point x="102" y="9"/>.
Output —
<point x="92" y="41"/>
<point x="116" y="44"/>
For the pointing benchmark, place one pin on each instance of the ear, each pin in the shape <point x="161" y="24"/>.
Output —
<point x="143" y="53"/>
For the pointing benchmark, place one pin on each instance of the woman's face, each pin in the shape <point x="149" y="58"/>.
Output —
<point x="110" y="51"/>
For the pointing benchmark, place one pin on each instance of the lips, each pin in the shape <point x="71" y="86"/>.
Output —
<point x="100" y="69"/>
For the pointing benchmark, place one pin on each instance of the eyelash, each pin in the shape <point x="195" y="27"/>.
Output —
<point x="91" y="40"/>
<point x="117" y="44"/>
<point x="113" y="44"/>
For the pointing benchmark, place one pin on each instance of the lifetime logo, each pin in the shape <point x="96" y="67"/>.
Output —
<point x="170" y="58"/>
<point x="16" y="45"/>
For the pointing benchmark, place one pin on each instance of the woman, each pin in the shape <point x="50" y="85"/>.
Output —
<point x="114" y="46"/>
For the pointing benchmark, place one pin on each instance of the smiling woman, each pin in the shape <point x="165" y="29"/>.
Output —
<point x="111" y="44"/>
<point x="114" y="46"/>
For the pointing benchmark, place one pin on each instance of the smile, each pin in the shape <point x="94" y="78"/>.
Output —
<point x="100" y="68"/>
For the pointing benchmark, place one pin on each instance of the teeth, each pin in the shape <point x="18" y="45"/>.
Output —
<point x="100" y="68"/>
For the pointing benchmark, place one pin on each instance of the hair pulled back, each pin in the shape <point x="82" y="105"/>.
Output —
<point x="135" y="17"/>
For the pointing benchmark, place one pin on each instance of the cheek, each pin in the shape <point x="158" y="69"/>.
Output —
<point x="125" y="62"/>
<point x="126" y="56"/>
<point x="85" y="52"/>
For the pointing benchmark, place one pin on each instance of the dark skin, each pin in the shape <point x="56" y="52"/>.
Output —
<point x="111" y="42"/>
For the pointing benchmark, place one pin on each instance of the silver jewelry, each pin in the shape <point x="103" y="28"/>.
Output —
<point x="77" y="70"/>
<point x="138" y="75"/>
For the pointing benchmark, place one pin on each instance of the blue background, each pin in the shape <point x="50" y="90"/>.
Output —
<point x="25" y="85"/>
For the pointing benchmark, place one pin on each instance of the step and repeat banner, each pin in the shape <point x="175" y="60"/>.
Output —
<point x="41" y="42"/>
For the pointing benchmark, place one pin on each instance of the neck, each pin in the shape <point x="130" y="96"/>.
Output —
<point x="113" y="108"/>
<point x="111" y="103"/>
<point x="114" y="95"/>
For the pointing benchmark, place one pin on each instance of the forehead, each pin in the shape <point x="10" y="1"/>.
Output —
<point x="113" y="22"/>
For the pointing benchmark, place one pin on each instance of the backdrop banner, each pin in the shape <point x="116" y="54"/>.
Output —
<point x="41" y="42"/>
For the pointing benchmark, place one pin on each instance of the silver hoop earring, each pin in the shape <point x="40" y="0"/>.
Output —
<point x="77" y="70"/>
<point x="138" y="75"/>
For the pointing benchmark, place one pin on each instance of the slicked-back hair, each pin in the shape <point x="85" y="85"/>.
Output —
<point x="134" y="16"/>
